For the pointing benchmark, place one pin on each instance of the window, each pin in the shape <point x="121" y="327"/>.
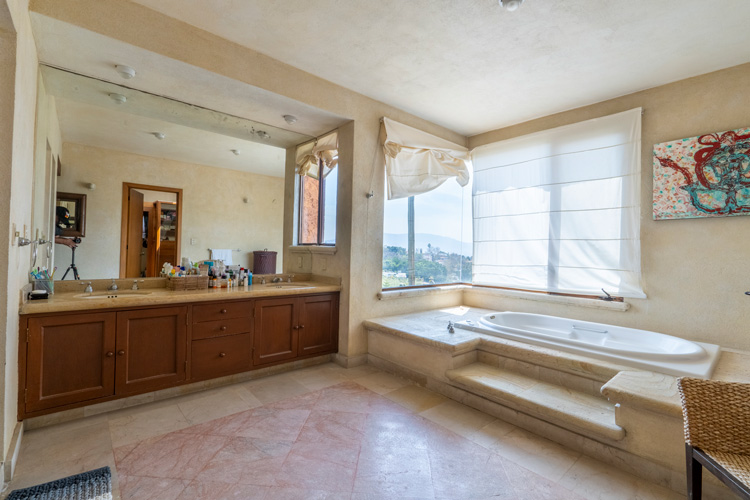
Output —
<point x="559" y="210"/>
<point x="317" y="208"/>
<point x="441" y="235"/>
<point x="318" y="184"/>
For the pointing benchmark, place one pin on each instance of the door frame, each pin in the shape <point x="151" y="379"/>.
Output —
<point x="126" y="187"/>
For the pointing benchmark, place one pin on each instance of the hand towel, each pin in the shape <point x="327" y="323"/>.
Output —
<point x="223" y="254"/>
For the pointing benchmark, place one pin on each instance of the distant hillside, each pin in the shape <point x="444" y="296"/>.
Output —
<point x="421" y="240"/>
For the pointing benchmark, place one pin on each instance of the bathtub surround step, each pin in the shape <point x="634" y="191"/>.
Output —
<point x="567" y="408"/>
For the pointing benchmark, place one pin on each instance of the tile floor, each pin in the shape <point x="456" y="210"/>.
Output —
<point x="319" y="433"/>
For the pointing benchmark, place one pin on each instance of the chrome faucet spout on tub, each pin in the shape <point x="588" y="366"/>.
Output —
<point x="450" y="327"/>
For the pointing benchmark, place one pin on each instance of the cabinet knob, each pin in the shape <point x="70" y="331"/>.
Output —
<point x="110" y="354"/>
<point x="222" y="354"/>
<point x="301" y="327"/>
<point x="223" y="328"/>
<point x="296" y="327"/>
<point x="223" y="311"/>
<point x="120" y="353"/>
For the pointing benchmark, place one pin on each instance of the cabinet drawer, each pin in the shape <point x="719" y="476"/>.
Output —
<point x="222" y="310"/>
<point x="222" y="327"/>
<point x="221" y="356"/>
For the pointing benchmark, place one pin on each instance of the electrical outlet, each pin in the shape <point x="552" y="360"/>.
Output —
<point x="192" y="241"/>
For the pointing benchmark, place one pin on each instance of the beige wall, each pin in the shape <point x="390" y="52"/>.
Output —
<point x="18" y="82"/>
<point x="694" y="270"/>
<point x="214" y="213"/>
<point x="45" y="174"/>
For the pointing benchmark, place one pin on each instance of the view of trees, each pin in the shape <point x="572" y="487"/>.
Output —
<point x="430" y="266"/>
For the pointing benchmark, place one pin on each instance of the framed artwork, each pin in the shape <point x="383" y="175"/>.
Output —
<point x="703" y="176"/>
<point x="76" y="205"/>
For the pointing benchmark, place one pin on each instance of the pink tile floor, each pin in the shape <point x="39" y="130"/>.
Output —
<point x="341" y="442"/>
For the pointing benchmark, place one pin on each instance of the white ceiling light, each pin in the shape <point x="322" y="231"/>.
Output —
<point x="158" y="135"/>
<point x="510" y="5"/>
<point x="118" y="98"/>
<point x="125" y="71"/>
<point x="290" y="119"/>
<point x="236" y="152"/>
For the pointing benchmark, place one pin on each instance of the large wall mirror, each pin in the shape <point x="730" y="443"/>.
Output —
<point x="228" y="171"/>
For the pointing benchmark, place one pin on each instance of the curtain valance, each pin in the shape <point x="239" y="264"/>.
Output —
<point x="417" y="162"/>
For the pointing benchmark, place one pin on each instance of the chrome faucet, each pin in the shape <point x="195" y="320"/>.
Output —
<point x="277" y="279"/>
<point x="263" y="280"/>
<point x="450" y="327"/>
<point x="88" y="288"/>
<point x="289" y="279"/>
<point x="113" y="286"/>
<point x="135" y="285"/>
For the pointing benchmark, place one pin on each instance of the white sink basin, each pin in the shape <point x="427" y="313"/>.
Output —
<point x="119" y="294"/>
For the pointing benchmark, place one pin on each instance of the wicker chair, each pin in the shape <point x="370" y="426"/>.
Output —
<point x="717" y="433"/>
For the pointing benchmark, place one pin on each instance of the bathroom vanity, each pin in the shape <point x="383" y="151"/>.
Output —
<point x="75" y="352"/>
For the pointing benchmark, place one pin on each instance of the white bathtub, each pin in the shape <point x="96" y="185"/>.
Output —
<point x="625" y="346"/>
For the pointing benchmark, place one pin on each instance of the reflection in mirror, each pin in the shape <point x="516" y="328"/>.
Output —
<point x="72" y="220"/>
<point x="230" y="171"/>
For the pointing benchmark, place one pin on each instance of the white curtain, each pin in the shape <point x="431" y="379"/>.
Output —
<point x="323" y="149"/>
<point x="417" y="162"/>
<point x="559" y="210"/>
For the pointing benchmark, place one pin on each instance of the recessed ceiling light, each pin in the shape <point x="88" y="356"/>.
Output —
<point x="118" y="98"/>
<point x="158" y="135"/>
<point x="125" y="71"/>
<point x="511" y="5"/>
<point x="236" y="152"/>
<point x="290" y="119"/>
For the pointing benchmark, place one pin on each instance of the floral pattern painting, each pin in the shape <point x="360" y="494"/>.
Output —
<point x="704" y="176"/>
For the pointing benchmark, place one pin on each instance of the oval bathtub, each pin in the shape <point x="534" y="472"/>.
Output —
<point x="625" y="346"/>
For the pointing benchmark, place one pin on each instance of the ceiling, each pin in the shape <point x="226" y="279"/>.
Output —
<point x="472" y="66"/>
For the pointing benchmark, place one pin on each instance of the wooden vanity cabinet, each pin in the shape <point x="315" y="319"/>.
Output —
<point x="222" y="339"/>
<point x="293" y="327"/>
<point x="69" y="359"/>
<point x="151" y="349"/>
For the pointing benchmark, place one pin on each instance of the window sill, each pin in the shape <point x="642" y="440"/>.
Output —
<point x="326" y="250"/>
<point x="420" y="292"/>
<point x="554" y="299"/>
<point x="494" y="292"/>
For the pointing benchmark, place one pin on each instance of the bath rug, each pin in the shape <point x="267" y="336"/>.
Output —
<point x="91" y="485"/>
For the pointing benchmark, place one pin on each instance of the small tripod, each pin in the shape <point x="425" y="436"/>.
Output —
<point x="72" y="266"/>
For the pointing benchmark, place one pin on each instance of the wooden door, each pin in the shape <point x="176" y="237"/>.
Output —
<point x="69" y="359"/>
<point x="151" y="349"/>
<point x="134" y="234"/>
<point x="318" y="324"/>
<point x="150" y="215"/>
<point x="276" y="330"/>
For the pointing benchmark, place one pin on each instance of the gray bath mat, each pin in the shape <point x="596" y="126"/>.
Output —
<point x="92" y="485"/>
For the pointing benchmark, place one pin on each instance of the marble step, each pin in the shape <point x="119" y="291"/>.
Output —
<point x="567" y="408"/>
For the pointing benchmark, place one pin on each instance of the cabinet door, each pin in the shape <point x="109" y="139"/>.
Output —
<point x="151" y="349"/>
<point x="275" y="330"/>
<point x="69" y="359"/>
<point x="318" y="324"/>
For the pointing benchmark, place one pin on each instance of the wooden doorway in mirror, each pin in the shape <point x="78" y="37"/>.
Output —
<point x="151" y="229"/>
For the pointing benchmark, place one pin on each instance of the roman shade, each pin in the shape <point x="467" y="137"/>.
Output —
<point x="323" y="150"/>
<point x="417" y="162"/>
<point x="559" y="210"/>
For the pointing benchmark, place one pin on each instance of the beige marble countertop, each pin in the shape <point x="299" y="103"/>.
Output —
<point x="65" y="301"/>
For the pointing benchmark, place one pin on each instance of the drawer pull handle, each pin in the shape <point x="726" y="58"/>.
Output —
<point x="121" y="353"/>
<point x="223" y="328"/>
<point x="222" y="354"/>
<point x="223" y="311"/>
<point x="110" y="354"/>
